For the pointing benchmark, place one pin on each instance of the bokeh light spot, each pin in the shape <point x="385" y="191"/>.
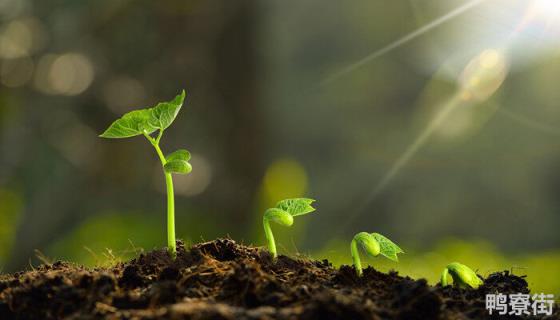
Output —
<point x="15" y="40"/>
<point x="70" y="74"/>
<point x="195" y="182"/>
<point x="285" y="178"/>
<point x="21" y="37"/>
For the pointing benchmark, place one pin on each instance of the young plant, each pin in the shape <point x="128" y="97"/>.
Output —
<point x="284" y="214"/>
<point x="146" y="122"/>
<point x="463" y="276"/>
<point x="373" y="244"/>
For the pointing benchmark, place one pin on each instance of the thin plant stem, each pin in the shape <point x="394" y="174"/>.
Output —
<point x="356" y="256"/>
<point x="444" y="277"/>
<point x="269" y="237"/>
<point x="171" y="243"/>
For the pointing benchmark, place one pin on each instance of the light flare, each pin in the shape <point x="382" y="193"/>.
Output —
<point x="405" y="157"/>
<point x="480" y="79"/>
<point x="401" y="41"/>
<point x="483" y="75"/>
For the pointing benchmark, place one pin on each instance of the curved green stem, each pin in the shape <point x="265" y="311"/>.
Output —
<point x="282" y="218"/>
<point x="444" y="277"/>
<point x="269" y="237"/>
<point x="356" y="256"/>
<point x="369" y="244"/>
<point x="171" y="243"/>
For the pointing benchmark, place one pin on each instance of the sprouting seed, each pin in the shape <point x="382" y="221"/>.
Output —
<point x="283" y="214"/>
<point x="373" y="244"/>
<point x="463" y="276"/>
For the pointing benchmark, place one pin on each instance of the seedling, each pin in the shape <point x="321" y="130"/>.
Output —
<point x="373" y="244"/>
<point x="146" y="122"/>
<point x="284" y="214"/>
<point x="463" y="276"/>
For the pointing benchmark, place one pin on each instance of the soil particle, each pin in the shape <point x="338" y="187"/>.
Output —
<point x="224" y="280"/>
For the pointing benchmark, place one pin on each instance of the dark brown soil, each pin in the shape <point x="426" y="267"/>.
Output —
<point x="224" y="280"/>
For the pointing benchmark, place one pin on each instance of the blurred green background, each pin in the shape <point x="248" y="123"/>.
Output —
<point x="432" y="122"/>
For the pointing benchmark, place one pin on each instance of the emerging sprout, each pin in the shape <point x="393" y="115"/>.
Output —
<point x="462" y="275"/>
<point x="373" y="244"/>
<point x="146" y="122"/>
<point x="284" y="214"/>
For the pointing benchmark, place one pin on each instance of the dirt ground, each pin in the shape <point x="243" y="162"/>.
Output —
<point x="224" y="280"/>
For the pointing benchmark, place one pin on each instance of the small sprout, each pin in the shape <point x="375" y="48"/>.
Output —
<point x="373" y="244"/>
<point x="463" y="276"/>
<point x="284" y="214"/>
<point x="145" y="122"/>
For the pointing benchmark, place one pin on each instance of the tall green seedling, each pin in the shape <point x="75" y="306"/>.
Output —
<point x="373" y="244"/>
<point x="151" y="123"/>
<point x="283" y="214"/>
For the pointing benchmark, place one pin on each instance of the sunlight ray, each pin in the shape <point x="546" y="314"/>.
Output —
<point x="399" y="42"/>
<point x="479" y="80"/>
<point x="405" y="157"/>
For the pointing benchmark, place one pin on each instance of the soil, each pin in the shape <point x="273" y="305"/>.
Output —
<point x="224" y="280"/>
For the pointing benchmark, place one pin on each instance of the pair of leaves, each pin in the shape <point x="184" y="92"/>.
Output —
<point x="387" y="247"/>
<point x="287" y="209"/>
<point x="147" y="121"/>
<point x="296" y="206"/>
<point x="178" y="162"/>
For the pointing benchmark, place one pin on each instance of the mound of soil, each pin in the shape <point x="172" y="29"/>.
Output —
<point x="224" y="280"/>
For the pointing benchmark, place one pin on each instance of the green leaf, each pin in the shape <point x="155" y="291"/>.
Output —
<point x="131" y="124"/>
<point x="164" y="113"/>
<point x="296" y="206"/>
<point x="147" y="120"/>
<point x="177" y="166"/>
<point x="388" y="248"/>
<point x="180" y="154"/>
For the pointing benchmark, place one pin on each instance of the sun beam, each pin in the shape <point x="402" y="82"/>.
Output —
<point x="399" y="42"/>
<point x="482" y="76"/>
